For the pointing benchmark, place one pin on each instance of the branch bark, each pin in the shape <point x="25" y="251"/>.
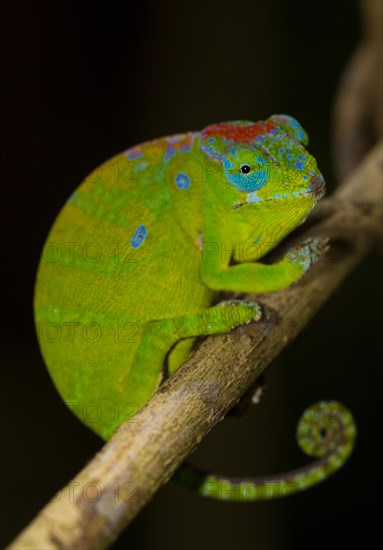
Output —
<point x="146" y="451"/>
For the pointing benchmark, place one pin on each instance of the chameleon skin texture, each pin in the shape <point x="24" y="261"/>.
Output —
<point x="326" y="430"/>
<point x="133" y="263"/>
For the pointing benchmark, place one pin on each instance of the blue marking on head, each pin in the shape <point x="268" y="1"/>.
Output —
<point x="182" y="181"/>
<point x="299" y="165"/>
<point x="253" y="197"/>
<point x="139" y="236"/>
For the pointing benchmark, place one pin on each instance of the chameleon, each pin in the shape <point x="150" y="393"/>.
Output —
<point x="132" y="268"/>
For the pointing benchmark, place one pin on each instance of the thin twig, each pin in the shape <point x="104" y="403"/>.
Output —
<point x="147" y="450"/>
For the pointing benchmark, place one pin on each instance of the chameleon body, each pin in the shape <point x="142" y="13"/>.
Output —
<point x="132" y="266"/>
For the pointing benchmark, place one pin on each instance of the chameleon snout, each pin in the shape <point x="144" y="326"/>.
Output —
<point x="317" y="187"/>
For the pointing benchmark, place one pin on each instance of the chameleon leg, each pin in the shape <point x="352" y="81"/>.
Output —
<point x="326" y="430"/>
<point x="214" y="323"/>
<point x="158" y="337"/>
<point x="258" y="277"/>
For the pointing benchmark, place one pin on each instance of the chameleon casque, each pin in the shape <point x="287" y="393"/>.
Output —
<point x="134" y="261"/>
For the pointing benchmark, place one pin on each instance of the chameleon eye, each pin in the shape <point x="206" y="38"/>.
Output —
<point x="245" y="168"/>
<point x="243" y="176"/>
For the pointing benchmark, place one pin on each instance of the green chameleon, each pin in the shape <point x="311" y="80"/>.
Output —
<point x="131" y="269"/>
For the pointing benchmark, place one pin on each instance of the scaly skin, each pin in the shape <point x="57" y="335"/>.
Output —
<point x="133" y="262"/>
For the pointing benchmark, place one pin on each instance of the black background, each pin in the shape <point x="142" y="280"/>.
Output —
<point x="82" y="83"/>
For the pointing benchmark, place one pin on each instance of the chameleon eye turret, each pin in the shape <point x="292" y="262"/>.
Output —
<point x="131" y="267"/>
<point x="245" y="169"/>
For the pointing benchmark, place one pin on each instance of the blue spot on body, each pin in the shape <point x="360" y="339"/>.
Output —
<point x="305" y="177"/>
<point x="210" y="140"/>
<point x="174" y="139"/>
<point x="170" y="152"/>
<point x="299" y="165"/>
<point x="133" y="153"/>
<point x="312" y="172"/>
<point x="282" y="149"/>
<point x="139" y="236"/>
<point x="72" y="197"/>
<point x="141" y="166"/>
<point x="278" y="196"/>
<point x="289" y="155"/>
<point x="182" y="181"/>
<point x="185" y="148"/>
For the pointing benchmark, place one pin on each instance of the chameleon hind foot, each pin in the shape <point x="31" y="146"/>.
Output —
<point x="159" y="340"/>
<point x="326" y="430"/>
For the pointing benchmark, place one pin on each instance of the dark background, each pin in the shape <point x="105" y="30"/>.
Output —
<point x="84" y="82"/>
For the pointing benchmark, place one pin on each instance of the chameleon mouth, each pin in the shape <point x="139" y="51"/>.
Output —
<point x="310" y="193"/>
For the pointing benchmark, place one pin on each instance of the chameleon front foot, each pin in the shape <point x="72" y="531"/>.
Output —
<point x="326" y="430"/>
<point x="307" y="253"/>
<point x="252" y="397"/>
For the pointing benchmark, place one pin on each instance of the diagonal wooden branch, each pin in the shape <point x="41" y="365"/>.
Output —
<point x="146" y="451"/>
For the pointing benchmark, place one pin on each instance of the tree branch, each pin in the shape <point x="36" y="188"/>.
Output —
<point x="146" y="451"/>
<point x="358" y="113"/>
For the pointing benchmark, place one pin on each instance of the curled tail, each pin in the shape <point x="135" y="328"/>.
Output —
<point x="326" y="430"/>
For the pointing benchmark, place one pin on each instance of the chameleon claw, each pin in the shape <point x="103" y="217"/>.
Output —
<point x="308" y="253"/>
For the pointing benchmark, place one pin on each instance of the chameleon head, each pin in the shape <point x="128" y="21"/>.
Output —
<point x="269" y="178"/>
